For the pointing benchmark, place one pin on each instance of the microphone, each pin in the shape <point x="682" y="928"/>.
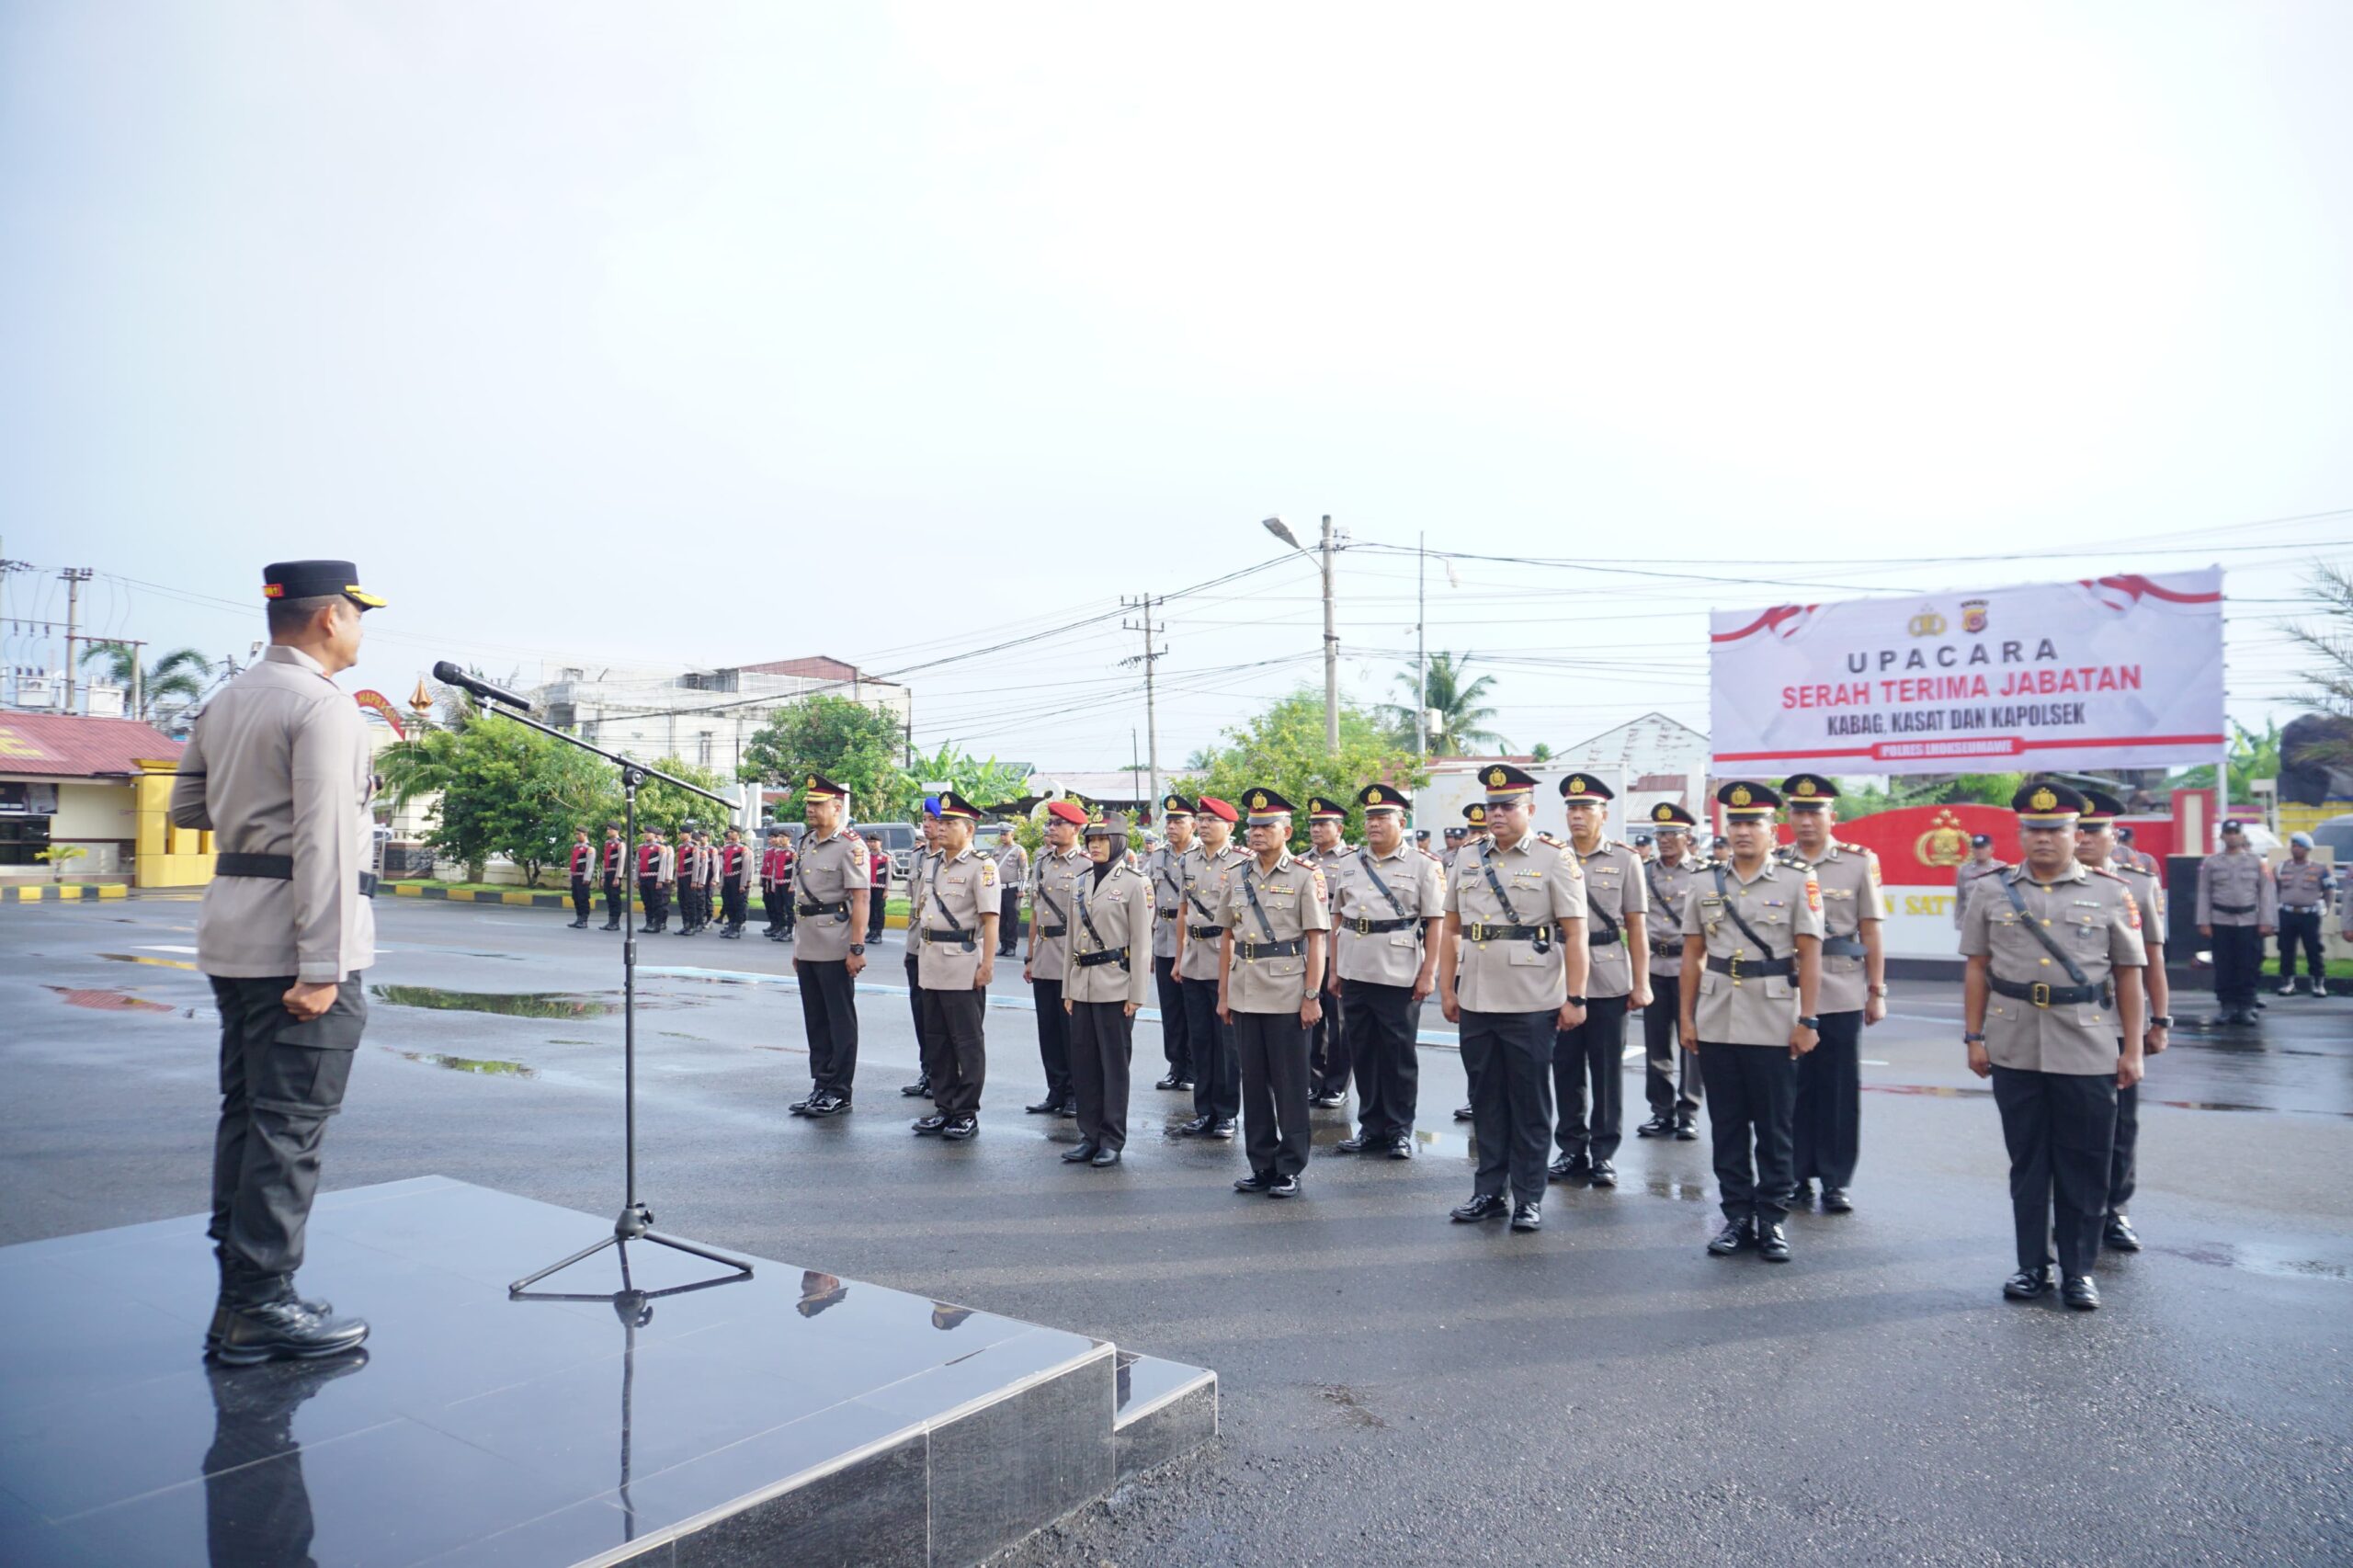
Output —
<point x="449" y="674"/>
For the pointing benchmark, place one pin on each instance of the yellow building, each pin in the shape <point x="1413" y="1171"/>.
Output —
<point x="102" y="785"/>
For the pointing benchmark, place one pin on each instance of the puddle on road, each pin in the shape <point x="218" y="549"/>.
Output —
<point x="507" y="1003"/>
<point x="1958" y="1091"/>
<point x="106" y="1001"/>
<point x="136" y="958"/>
<point x="2254" y="1258"/>
<point x="469" y="1064"/>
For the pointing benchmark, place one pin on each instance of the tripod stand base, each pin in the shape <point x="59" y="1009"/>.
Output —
<point x="635" y="1224"/>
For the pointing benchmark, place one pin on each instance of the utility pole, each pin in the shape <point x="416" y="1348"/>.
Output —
<point x="1331" y="653"/>
<point x="1421" y="653"/>
<point x="75" y="577"/>
<point x="1150" y="656"/>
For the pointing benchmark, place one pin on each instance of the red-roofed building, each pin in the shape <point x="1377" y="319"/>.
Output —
<point x="65" y="779"/>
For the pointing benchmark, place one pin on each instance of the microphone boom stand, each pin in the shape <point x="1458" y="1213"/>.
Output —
<point x="636" y="1221"/>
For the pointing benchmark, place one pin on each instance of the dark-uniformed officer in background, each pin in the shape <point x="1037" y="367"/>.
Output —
<point x="1387" y="916"/>
<point x="2097" y="847"/>
<point x="685" y="878"/>
<point x="2238" y="907"/>
<point x="1981" y="864"/>
<point x="654" y="872"/>
<point x="1852" y="994"/>
<point x="1278" y="919"/>
<point x="277" y="770"/>
<point x="921" y="867"/>
<point x="707" y="868"/>
<point x="956" y="930"/>
<point x="789" y="868"/>
<point x="1106" y="978"/>
<point x="1200" y="972"/>
<point x="1588" y="1061"/>
<point x="2051" y="1012"/>
<point x="774" y="892"/>
<point x="1751" y="952"/>
<point x="736" y="870"/>
<point x="583" y="868"/>
<point x="1327" y="1050"/>
<point x="1670" y="1076"/>
<point x="1163" y="868"/>
<point x="2301" y="885"/>
<point x="1512" y="967"/>
<point x="615" y="871"/>
<point x="1053" y="887"/>
<point x="1467" y="840"/>
<point x="2126" y="855"/>
<point x="831" y="954"/>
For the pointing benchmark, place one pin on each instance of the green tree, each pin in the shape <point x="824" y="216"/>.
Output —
<point x="856" y="746"/>
<point x="985" y="783"/>
<point x="668" y="808"/>
<point x="1282" y="749"/>
<point x="1462" y="717"/>
<point x="2251" y="756"/>
<point x="2328" y="675"/>
<point x="167" y="688"/>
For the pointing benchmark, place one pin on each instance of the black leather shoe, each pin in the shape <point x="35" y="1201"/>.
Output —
<point x="801" y="1105"/>
<point x="583" y="926"/>
<point x="1465" y="1113"/>
<point x="1801" y="1195"/>
<point x="1527" y="1216"/>
<point x="283" y="1331"/>
<point x="221" y="1315"/>
<point x="612" y="926"/>
<point x="1570" y="1168"/>
<point x="2027" y="1284"/>
<point x="932" y="1123"/>
<point x="1604" y="1173"/>
<point x="1772" y="1243"/>
<point x="1068" y="1108"/>
<point x="959" y="1128"/>
<point x="1401" y="1148"/>
<point x="1356" y="1145"/>
<point x="1284" y="1187"/>
<point x="1171" y="1081"/>
<point x="919" y="1089"/>
<point x="1223" y="1131"/>
<point x="1659" y="1126"/>
<point x="1104" y="1158"/>
<point x="1686" y="1133"/>
<point x="1327" y="1101"/>
<point x="1254" y="1182"/>
<point x="1044" y="1107"/>
<point x="1197" y="1128"/>
<point x="2118" y="1236"/>
<point x="826" y="1104"/>
<point x="1836" y="1202"/>
<point x="1736" y="1235"/>
<point x="2080" y="1293"/>
<point x="1484" y="1206"/>
<point x="1079" y="1154"/>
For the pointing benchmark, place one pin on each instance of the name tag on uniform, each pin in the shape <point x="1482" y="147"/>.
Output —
<point x="1712" y="901"/>
<point x="1838" y="892"/>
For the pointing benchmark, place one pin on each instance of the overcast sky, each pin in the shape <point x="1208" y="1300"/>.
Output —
<point x="626" y="335"/>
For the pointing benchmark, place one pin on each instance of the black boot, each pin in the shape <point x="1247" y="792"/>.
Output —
<point x="282" y="1331"/>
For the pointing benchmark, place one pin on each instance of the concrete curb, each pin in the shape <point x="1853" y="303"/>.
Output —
<point x="62" y="893"/>
<point x="524" y="898"/>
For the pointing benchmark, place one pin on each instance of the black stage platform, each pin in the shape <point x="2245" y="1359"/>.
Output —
<point x="791" y="1417"/>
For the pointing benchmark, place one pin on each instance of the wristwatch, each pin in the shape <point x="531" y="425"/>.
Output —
<point x="858" y="950"/>
<point x="1576" y="1002"/>
<point x="1879" y="991"/>
<point x="2163" y="1021"/>
<point x="1968" y="1038"/>
<point x="1813" y="1024"/>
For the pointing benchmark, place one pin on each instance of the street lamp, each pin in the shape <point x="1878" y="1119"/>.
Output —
<point x="1282" y="530"/>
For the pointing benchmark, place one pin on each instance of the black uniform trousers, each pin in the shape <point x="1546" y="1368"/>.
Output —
<point x="736" y="899"/>
<point x="1272" y="1049"/>
<point x="2061" y="1129"/>
<point x="583" y="897"/>
<point x="955" y="1055"/>
<point x="2238" y="962"/>
<point x="613" y="897"/>
<point x="1829" y="1122"/>
<point x="1327" y="1050"/>
<point x="1508" y="1058"/>
<point x="1217" y="1065"/>
<point x="1752" y="1100"/>
<point x="775" y="901"/>
<point x="1101" y="1037"/>
<point x="2300" y="928"/>
<point x="784" y="892"/>
<point x="655" y="896"/>
<point x="1589" y="1080"/>
<point x="1054" y="1040"/>
<point x="877" y="909"/>
<point x="829" y="1016"/>
<point x="1175" y="1038"/>
<point x="1381" y="1023"/>
<point x="914" y="1007"/>
<point x="1670" y="1074"/>
<point x="2124" y="1170"/>
<point x="280" y="1079"/>
<point x="1009" y="921"/>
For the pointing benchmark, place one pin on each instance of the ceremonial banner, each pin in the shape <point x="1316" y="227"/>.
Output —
<point x="375" y="702"/>
<point x="2112" y="672"/>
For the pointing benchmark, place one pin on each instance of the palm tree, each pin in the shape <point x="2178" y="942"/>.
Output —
<point x="1462" y="718"/>
<point x="167" y="688"/>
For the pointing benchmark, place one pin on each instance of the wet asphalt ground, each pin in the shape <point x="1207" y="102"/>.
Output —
<point x="1395" y="1388"/>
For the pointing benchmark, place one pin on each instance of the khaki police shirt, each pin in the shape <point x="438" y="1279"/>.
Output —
<point x="1120" y="907"/>
<point x="2096" y="920"/>
<point x="2300" y="884"/>
<point x="1963" y="880"/>
<point x="2235" y="888"/>
<point x="1613" y="885"/>
<point x="830" y="869"/>
<point x="1053" y="887"/>
<point x="277" y="765"/>
<point x="1161" y="868"/>
<point x="1849" y="877"/>
<point x="1513" y="974"/>
<point x="921" y="867"/>
<point x="1294" y="902"/>
<point x="1416" y="884"/>
<point x="2149" y="896"/>
<point x="1668" y="884"/>
<point x="1203" y="912"/>
<point x="956" y="894"/>
<point x="1782" y="903"/>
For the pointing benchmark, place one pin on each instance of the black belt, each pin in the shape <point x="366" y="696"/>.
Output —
<point x="964" y="939"/>
<point x="1666" y="950"/>
<point x="1205" y="930"/>
<point x="841" y="908"/>
<point x="2043" y="995"/>
<point x="1741" y="968"/>
<point x="274" y="868"/>
<point x="1842" y="947"/>
<point x="2233" y="908"/>
<point x="1477" y="933"/>
<point x="1050" y="932"/>
<point x="1601" y="938"/>
<point x="1364" y="926"/>
<point x="1170" y="914"/>
<point x="1250" y="953"/>
<point x="1108" y="955"/>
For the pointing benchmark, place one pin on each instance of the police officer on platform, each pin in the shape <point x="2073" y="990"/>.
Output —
<point x="277" y="770"/>
<point x="1278" y="918"/>
<point x="2052" y="1013"/>
<point x="1388" y="918"/>
<point x="1106" y="977"/>
<point x="1670" y="1076"/>
<point x="1588" y="1061"/>
<point x="1852" y="992"/>
<point x="831" y="902"/>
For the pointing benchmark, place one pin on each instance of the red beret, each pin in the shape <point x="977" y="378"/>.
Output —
<point x="1067" y="810"/>
<point x="1220" y="809"/>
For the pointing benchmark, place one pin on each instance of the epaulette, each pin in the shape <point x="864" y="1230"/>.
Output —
<point x="1426" y="854"/>
<point x="2103" y="871"/>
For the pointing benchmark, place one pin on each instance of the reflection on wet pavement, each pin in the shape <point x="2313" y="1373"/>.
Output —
<point x="509" y="1004"/>
<point x="135" y="958"/>
<point x="102" y="1000"/>
<point x="2254" y="1257"/>
<point x="469" y="1064"/>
